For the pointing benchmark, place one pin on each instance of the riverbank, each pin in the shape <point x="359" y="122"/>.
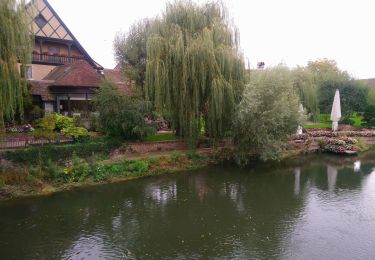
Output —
<point x="20" y="182"/>
<point x="44" y="170"/>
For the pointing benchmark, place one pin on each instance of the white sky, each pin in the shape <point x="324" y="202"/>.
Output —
<point x="274" y="31"/>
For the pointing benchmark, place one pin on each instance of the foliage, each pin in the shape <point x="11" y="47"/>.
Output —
<point x="130" y="49"/>
<point x="371" y="96"/>
<point x="60" y="153"/>
<point x="267" y="115"/>
<point x="55" y="122"/>
<point x="347" y="120"/>
<point x="15" y="46"/>
<point x="194" y="68"/>
<point x="77" y="133"/>
<point x="62" y="121"/>
<point x="26" y="128"/>
<point x="308" y="90"/>
<point x="120" y="115"/>
<point x="161" y="137"/>
<point x="369" y="115"/>
<point x="338" y="145"/>
<point x="44" y="134"/>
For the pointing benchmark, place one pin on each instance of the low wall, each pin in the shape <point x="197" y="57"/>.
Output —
<point x="145" y="147"/>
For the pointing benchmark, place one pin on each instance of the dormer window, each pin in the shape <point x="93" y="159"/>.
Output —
<point x="40" y="21"/>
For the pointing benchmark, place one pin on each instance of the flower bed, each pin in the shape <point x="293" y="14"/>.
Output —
<point x="27" y="128"/>
<point x="339" y="145"/>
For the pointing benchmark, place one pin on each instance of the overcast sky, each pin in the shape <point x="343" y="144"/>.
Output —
<point x="274" y="31"/>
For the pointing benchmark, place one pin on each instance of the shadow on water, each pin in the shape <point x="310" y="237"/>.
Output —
<point x="295" y="209"/>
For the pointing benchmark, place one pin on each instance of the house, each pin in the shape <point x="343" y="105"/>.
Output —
<point x="62" y="76"/>
<point x="369" y="82"/>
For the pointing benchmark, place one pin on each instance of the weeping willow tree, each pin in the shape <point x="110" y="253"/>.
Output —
<point x="194" y="69"/>
<point x="308" y="90"/>
<point x="15" y="47"/>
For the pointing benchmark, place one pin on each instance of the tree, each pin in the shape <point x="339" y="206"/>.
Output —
<point x="267" y="115"/>
<point x="130" y="49"/>
<point x="194" y="69"/>
<point x="15" y="47"/>
<point x="120" y="115"/>
<point x="308" y="90"/>
<point x="328" y="77"/>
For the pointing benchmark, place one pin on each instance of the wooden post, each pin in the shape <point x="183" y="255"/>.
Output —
<point x="69" y="107"/>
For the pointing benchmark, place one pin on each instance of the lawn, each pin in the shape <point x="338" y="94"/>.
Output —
<point x="324" y="121"/>
<point x="161" y="137"/>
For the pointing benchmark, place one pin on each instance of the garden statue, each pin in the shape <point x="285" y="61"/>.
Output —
<point x="336" y="111"/>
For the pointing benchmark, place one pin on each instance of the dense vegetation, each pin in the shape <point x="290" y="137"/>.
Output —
<point x="121" y="115"/>
<point x="267" y="115"/>
<point x="15" y="46"/>
<point x="193" y="68"/>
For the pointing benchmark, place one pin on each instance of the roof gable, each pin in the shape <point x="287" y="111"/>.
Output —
<point x="46" y="23"/>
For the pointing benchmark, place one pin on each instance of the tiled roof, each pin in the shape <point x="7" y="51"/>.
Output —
<point x="41" y="88"/>
<point x="370" y="82"/>
<point x="124" y="84"/>
<point x="79" y="73"/>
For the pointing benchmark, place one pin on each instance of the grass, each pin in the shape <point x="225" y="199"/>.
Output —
<point x="318" y="125"/>
<point x="324" y="121"/>
<point x="161" y="137"/>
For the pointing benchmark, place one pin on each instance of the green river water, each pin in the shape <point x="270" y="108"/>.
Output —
<point x="313" y="207"/>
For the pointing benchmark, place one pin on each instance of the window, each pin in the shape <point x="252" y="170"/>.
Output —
<point x="28" y="71"/>
<point x="40" y="21"/>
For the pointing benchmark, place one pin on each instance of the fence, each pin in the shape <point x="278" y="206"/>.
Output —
<point x="10" y="142"/>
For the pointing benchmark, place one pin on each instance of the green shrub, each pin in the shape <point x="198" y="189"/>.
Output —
<point x="60" y="153"/>
<point x="77" y="133"/>
<point x="99" y="172"/>
<point x="120" y="115"/>
<point x="267" y="116"/>
<point x="369" y="116"/>
<point x="40" y="133"/>
<point x="175" y="156"/>
<point x="346" y="120"/>
<point x="62" y="122"/>
<point x="138" y="166"/>
<point x="46" y="123"/>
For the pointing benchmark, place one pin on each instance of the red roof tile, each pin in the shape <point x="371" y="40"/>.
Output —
<point x="79" y="73"/>
<point x="370" y="82"/>
<point x="41" y="88"/>
<point x="124" y="84"/>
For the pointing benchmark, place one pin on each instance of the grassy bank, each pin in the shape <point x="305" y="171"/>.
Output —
<point x="43" y="178"/>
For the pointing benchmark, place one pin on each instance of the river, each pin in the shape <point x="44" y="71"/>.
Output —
<point x="313" y="207"/>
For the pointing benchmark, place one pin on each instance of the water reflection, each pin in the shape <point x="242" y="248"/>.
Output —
<point x="322" y="207"/>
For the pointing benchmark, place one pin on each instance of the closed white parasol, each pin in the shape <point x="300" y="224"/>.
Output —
<point x="300" y="111"/>
<point x="336" y="111"/>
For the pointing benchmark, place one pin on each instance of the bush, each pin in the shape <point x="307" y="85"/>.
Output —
<point x="346" y="120"/>
<point x="138" y="166"/>
<point x="267" y="116"/>
<point x="60" y="153"/>
<point x="120" y="115"/>
<point x="55" y="122"/>
<point x="62" y="122"/>
<point x="369" y="116"/>
<point x="46" y="123"/>
<point x="77" y="133"/>
<point x="44" y="134"/>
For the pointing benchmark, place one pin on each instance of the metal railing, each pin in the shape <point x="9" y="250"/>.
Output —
<point x="26" y="141"/>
